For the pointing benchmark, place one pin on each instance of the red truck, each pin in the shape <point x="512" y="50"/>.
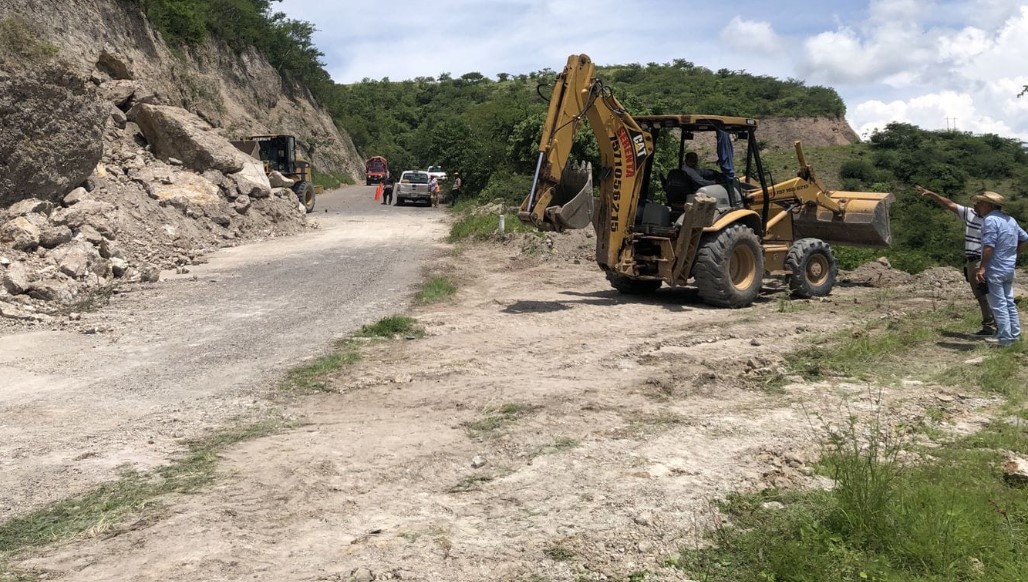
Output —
<point x="376" y="169"/>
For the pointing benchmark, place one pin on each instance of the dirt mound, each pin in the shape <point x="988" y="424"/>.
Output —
<point x="876" y="274"/>
<point x="941" y="277"/>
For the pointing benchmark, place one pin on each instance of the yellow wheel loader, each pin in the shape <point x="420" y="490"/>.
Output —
<point x="719" y="231"/>
<point x="278" y="153"/>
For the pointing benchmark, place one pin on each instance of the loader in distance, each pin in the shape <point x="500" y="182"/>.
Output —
<point x="278" y="154"/>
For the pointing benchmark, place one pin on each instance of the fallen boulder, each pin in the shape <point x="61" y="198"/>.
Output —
<point x="176" y="133"/>
<point x="52" y="134"/>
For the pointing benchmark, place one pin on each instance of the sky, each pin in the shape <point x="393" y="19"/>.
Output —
<point x="939" y="64"/>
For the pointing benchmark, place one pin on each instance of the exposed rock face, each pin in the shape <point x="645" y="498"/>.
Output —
<point x="115" y="160"/>
<point x="52" y="137"/>
<point x="812" y="131"/>
<point x="240" y="94"/>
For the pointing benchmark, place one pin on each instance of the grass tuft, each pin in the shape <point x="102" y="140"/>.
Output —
<point x="478" y="227"/>
<point x="19" y="38"/>
<point x="314" y="377"/>
<point x="497" y="419"/>
<point x="392" y="326"/>
<point x="558" y="551"/>
<point x="435" y="290"/>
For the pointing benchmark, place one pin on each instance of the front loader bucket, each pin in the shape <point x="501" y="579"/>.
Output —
<point x="863" y="222"/>
<point x="573" y="198"/>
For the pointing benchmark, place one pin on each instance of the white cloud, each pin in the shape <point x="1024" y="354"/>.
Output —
<point x="964" y="46"/>
<point x="751" y="36"/>
<point x="948" y="109"/>
<point x="932" y="74"/>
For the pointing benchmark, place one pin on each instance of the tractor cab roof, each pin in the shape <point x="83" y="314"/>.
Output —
<point x="696" y="122"/>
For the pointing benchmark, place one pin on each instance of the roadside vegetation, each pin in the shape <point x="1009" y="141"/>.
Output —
<point x="477" y="226"/>
<point x="317" y="375"/>
<point x="329" y="180"/>
<point x="243" y="24"/>
<point x="20" y="44"/>
<point x="910" y="502"/>
<point x="437" y="288"/>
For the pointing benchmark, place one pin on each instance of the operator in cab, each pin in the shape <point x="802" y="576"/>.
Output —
<point x="702" y="176"/>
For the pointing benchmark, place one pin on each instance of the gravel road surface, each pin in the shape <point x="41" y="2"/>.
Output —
<point x="165" y="362"/>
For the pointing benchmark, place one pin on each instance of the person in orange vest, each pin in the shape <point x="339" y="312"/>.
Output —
<point x="433" y="188"/>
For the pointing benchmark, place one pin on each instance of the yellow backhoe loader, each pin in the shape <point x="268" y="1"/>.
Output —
<point x="721" y="232"/>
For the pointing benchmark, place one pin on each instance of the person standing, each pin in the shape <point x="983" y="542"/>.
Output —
<point x="455" y="189"/>
<point x="433" y="190"/>
<point x="972" y="254"/>
<point x="387" y="191"/>
<point x="1002" y="240"/>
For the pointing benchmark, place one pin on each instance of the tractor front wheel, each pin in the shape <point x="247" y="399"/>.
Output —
<point x="812" y="268"/>
<point x="305" y="193"/>
<point x="729" y="268"/>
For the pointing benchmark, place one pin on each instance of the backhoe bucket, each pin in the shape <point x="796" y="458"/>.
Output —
<point x="572" y="205"/>
<point x="863" y="222"/>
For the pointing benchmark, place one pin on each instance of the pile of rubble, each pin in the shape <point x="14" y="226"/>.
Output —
<point x="159" y="191"/>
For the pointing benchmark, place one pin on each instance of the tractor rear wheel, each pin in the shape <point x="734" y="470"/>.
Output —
<point x="305" y="193"/>
<point x="729" y="267"/>
<point x="812" y="268"/>
<point x="629" y="286"/>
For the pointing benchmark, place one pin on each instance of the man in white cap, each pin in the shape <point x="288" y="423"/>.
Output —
<point x="1002" y="240"/>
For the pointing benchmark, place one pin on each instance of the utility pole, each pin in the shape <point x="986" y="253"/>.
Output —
<point x="954" y="127"/>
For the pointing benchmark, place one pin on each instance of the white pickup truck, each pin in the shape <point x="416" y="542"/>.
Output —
<point x="437" y="172"/>
<point x="412" y="187"/>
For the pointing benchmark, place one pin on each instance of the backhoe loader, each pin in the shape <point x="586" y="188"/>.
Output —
<point x="722" y="235"/>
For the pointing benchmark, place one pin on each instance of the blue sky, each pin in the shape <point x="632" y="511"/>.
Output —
<point x="935" y="63"/>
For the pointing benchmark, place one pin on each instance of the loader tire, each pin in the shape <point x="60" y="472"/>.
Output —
<point x="729" y="267"/>
<point x="629" y="286"/>
<point x="305" y="193"/>
<point x="812" y="268"/>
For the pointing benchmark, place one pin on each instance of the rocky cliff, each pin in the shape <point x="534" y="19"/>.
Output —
<point x="115" y="153"/>
<point x="238" y="94"/>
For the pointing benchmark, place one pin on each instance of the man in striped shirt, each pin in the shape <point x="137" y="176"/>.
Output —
<point x="972" y="255"/>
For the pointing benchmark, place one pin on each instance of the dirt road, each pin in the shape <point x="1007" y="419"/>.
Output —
<point x="546" y="428"/>
<point x="169" y="361"/>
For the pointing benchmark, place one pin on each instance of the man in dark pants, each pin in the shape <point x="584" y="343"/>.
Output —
<point x="972" y="255"/>
<point x="387" y="191"/>
<point x="455" y="189"/>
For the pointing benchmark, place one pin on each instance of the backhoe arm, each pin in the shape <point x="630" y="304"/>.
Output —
<point x="561" y="196"/>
